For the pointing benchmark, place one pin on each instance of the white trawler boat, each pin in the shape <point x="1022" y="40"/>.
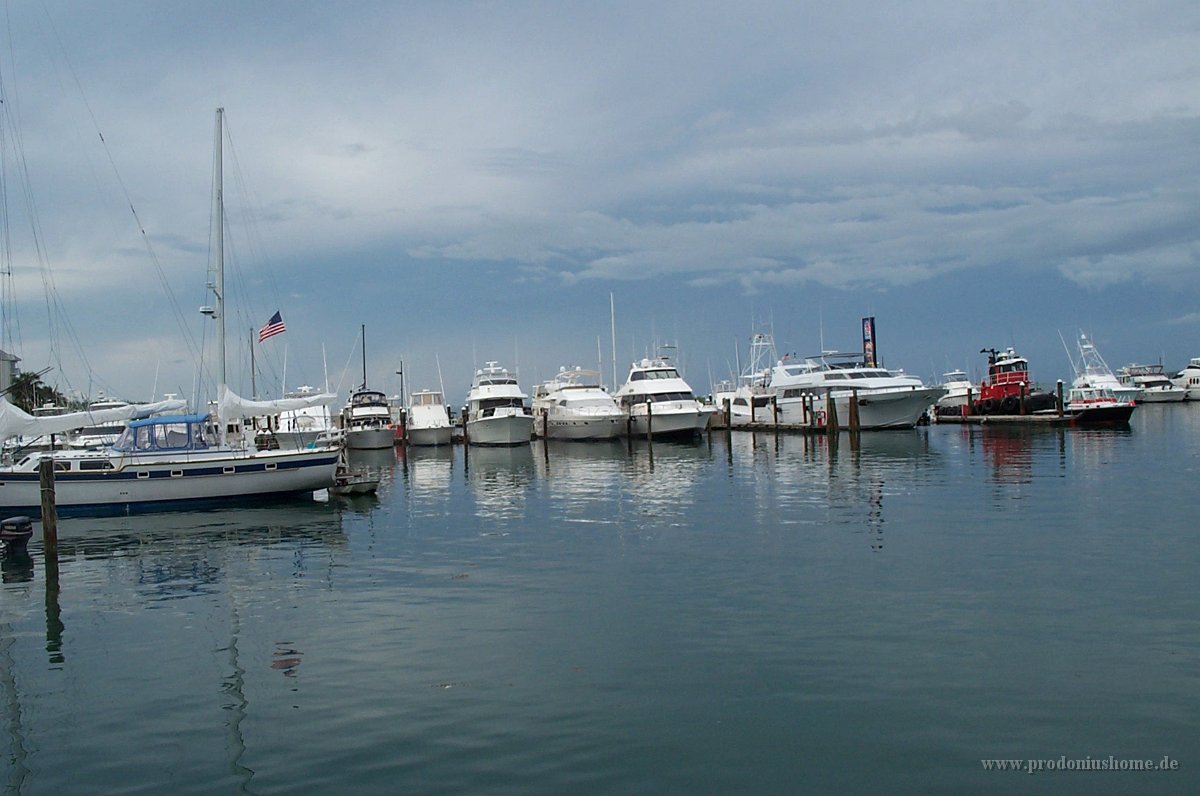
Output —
<point x="428" y="420"/>
<point x="656" y="400"/>
<point x="885" y="399"/>
<point x="367" y="419"/>
<point x="164" y="461"/>
<point x="496" y="409"/>
<point x="573" y="405"/>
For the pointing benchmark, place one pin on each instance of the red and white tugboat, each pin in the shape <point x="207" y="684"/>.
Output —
<point x="1008" y="377"/>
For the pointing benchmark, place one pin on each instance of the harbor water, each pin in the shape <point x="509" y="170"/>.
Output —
<point x="747" y="614"/>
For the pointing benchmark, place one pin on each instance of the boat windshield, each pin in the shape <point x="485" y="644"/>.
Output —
<point x="665" y="373"/>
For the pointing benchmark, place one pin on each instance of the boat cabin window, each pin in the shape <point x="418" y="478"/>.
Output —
<point x="95" y="464"/>
<point x="62" y="467"/>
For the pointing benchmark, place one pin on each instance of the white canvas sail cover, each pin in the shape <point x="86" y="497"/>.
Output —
<point x="15" y="422"/>
<point x="231" y="406"/>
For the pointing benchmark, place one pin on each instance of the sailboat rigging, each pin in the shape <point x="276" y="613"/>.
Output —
<point x="164" y="461"/>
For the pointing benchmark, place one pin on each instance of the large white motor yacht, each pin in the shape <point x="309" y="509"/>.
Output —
<point x="428" y="420"/>
<point x="496" y="409"/>
<point x="886" y="399"/>
<point x="1152" y="384"/>
<point x="958" y="386"/>
<point x="1189" y="379"/>
<point x="657" y="401"/>
<point x="573" y="405"/>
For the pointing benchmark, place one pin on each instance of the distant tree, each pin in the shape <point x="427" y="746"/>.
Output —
<point x="28" y="391"/>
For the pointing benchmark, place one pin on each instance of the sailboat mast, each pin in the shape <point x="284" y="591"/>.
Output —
<point x="364" y="353"/>
<point x="219" y="280"/>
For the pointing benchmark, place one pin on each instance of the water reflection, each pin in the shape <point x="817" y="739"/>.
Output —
<point x="583" y="477"/>
<point x="428" y="472"/>
<point x="500" y="479"/>
<point x="663" y="478"/>
<point x="380" y="462"/>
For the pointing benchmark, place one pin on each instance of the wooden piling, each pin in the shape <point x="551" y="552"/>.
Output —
<point x="853" y="411"/>
<point x="831" y="415"/>
<point x="1024" y="389"/>
<point x="49" y="507"/>
<point x="649" y="418"/>
<point x="1059" y="399"/>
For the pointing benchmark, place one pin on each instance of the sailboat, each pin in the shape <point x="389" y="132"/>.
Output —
<point x="166" y="460"/>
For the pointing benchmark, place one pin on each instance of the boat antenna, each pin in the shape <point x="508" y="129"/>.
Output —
<point x="364" y="355"/>
<point x="612" y="311"/>
<point x="441" y="386"/>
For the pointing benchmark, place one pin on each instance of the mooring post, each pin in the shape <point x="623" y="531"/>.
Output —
<point x="1059" y="399"/>
<point x="775" y="414"/>
<point x="1024" y="389"/>
<point x="967" y="405"/>
<point x="649" y="418"/>
<point x="831" y="416"/>
<point x="49" y="507"/>
<point x="853" y="411"/>
<point x="727" y="410"/>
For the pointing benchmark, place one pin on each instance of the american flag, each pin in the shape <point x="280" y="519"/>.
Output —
<point x="272" y="327"/>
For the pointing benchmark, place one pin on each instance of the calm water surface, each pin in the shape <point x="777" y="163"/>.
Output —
<point x="755" y="616"/>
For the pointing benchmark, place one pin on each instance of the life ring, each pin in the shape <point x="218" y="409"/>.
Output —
<point x="820" y="416"/>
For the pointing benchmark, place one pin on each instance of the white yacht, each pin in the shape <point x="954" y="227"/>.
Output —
<point x="367" y="421"/>
<point x="1189" y="379"/>
<point x="1152" y="384"/>
<point x="1092" y="371"/>
<point x="99" y="435"/>
<point x="750" y="397"/>
<point x="573" y="405"/>
<point x="303" y="426"/>
<point x="886" y="399"/>
<point x="428" y="420"/>
<point x="496" y="410"/>
<point x="656" y="400"/>
<point x="958" y="386"/>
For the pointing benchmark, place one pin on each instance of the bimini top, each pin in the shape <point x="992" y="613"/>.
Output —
<point x="167" y="433"/>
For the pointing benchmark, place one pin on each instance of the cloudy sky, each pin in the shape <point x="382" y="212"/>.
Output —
<point x="472" y="181"/>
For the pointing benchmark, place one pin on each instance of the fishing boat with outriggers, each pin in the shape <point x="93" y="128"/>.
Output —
<point x="166" y="460"/>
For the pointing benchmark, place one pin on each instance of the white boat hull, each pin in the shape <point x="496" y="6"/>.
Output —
<point x="883" y="409"/>
<point x="581" y="427"/>
<point x="501" y="428"/>
<point x="429" y="435"/>
<point x="148" y="482"/>
<point x="669" y="419"/>
<point x="1161" y="396"/>
<point x="366" y="439"/>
